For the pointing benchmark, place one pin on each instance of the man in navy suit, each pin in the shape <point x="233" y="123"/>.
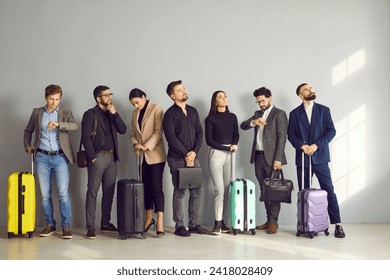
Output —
<point x="270" y="133"/>
<point x="310" y="130"/>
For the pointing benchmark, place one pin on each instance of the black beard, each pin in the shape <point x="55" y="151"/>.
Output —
<point x="104" y="103"/>
<point x="264" y="108"/>
<point x="311" y="96"/>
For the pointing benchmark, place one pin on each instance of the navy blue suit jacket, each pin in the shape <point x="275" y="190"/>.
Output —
<point x="320" y="132"/>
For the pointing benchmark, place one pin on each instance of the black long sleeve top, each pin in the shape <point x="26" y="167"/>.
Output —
<point x="221" y="129"/>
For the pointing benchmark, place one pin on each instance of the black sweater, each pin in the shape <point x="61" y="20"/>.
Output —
<point x="221" y="128"/>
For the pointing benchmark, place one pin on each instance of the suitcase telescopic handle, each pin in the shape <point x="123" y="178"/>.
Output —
<point x="139" y="159"/>
<point x="303" y="171"/>
<point x="233" y="166"/>
<point x="32" y="163"/>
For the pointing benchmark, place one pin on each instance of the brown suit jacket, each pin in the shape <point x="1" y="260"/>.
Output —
<point x="150" y="133"/>
<point x="66" y="122"/>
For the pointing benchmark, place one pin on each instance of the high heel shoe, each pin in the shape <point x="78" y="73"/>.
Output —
<point x="152" y="222"/>
<point x="159" y="233"/>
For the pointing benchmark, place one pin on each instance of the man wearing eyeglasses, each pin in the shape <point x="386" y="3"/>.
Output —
<point x="102" y="151"/>
<point x="270" y="135"/>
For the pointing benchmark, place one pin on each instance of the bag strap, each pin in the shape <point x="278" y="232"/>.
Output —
<point x="93" y="134"/>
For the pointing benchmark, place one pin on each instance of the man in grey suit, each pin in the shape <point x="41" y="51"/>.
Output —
<point x="53" y="151"/>
<point x="270" y="134"/>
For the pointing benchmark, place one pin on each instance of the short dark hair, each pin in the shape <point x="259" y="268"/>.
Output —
<point x="262" y="91"/>
<point x="299" y="88"/>
<point x="98" y="90"/>
<point x="136" y="92"/>
<point x="52" y="89"/>
<point x="171" y="86"/>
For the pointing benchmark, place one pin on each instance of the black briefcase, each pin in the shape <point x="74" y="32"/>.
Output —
<point x="190" y="177"/>
<point x="276" y="189"/>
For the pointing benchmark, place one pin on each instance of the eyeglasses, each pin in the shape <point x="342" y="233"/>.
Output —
<point x="106" y="95"/>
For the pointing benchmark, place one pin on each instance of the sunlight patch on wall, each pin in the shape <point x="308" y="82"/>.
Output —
<point x="348" y="66"/>
<point x="349" y="154"/>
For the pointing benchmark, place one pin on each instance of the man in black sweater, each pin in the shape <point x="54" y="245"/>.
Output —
<point x="184" y="135"/>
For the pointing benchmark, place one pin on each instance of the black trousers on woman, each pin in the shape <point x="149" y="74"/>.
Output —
<point x="152" y="177"/>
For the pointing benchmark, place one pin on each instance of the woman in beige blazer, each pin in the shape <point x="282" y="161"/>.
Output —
<point x="146" y="136"/>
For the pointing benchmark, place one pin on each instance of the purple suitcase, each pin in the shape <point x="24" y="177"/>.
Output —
<point x="312" y="210"/>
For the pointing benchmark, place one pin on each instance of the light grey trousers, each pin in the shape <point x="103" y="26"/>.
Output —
<point x="220" y="171"/>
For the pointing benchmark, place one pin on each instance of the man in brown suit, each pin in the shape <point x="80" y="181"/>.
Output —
<point x="53" y="151"/>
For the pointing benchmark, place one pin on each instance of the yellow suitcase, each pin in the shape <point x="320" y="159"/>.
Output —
<point x="21" y="204"/>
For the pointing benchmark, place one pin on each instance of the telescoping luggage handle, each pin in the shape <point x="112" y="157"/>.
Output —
<point x="233" y="171"/>
<point x="303" y="171"/>
<point x="32" y="163"/>
<point x="139" y="159"/>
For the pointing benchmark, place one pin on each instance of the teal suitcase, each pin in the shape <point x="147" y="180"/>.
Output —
<point x="243" y="206"/>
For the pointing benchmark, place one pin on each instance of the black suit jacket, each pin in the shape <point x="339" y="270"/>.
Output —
<point x="93" y="147"/>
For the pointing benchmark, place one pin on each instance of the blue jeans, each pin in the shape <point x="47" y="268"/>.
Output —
<point x="57" y="166"/>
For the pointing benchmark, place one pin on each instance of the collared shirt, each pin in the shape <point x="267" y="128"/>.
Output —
<point x="184" y="133"/>
<point x="49" y="139"/>
<point x="309" y="110"/>
<point x="259" y="142"/>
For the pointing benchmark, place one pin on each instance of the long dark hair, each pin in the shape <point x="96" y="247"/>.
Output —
<point x="213" y="105"/>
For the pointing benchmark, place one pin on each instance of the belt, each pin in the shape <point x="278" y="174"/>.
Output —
<point x="50" y="153"/>
<point x="260" y="152"/>
<point x="106" y="151"/>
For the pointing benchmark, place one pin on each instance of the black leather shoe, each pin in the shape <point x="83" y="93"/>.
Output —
<point x="182" y="231"/>
<point x="199" y="230"/>
<point x="109" y="229"/>
<point x="225" y="229"/>
<point x="339" y="232"/>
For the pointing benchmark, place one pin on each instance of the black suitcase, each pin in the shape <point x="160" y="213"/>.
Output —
<point x="130" y="206"/>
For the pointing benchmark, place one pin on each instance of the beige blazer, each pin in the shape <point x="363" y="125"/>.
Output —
<point x="150" y="134"/>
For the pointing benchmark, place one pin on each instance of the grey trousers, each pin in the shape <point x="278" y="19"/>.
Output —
<point x="220" y="163"/>
<point x="178" y="196"/>
<point x="101" y="172"/>
<point x="263" y="170"/>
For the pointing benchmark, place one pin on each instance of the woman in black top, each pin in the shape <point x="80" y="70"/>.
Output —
<point x="222" y="137"/>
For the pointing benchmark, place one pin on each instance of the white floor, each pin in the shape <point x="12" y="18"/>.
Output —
<point x="362" y="242"/>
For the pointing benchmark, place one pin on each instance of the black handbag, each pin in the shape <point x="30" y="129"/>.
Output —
<point x="276" y="189"/>
<point x="82" y="156"/>
<point x="190" y="177"/>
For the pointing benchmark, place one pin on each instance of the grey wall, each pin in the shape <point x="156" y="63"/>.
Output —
<point x="340" y="47"/>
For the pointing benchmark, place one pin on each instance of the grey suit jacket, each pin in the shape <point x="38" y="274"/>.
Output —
<point x="274" y="135"/>
<point x="66" y="123"/>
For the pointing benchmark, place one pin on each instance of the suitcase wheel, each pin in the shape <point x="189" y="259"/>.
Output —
<point x="311" y="235"/>
<point x="123" y="235"/>
<point x="234" y="231"/>
<point x="326" y="232"/>
<point x="253" y="232"/>
<point x="30" y="235"/>
<point x="10" y="235"/>
<point x="298" y="233"/>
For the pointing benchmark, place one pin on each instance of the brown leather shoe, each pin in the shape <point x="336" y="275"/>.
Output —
<point x="272" y="229"/>
<point x="263" y="226"/>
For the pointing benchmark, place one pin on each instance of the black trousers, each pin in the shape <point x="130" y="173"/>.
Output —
<point x="152" y="177"/>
